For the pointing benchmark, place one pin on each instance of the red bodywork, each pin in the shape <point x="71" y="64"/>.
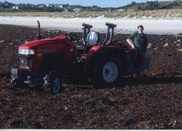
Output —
<point x="59" y="44"/>
<point x="50" y="45"/>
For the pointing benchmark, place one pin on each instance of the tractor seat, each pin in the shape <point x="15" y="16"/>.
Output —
<point x="92" y="38"/>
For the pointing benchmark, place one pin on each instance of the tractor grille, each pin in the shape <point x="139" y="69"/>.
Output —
<point x="25" y="62"/>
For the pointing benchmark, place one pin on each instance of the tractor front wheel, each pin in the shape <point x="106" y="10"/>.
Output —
<point x="56" y="86"/>
<point x="14" y="84"/>
<point x="54" y="81"/>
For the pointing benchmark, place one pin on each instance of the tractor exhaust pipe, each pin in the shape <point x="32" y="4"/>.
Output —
<point x="39" y="33"/>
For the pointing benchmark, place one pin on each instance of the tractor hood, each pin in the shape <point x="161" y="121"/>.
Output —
<point x="44" y="42"/>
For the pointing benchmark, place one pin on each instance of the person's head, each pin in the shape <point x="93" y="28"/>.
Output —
<point x="140" y="28"/>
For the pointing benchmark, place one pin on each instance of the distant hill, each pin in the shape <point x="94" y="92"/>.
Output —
<point x="149" y="5"/>
<point x="8" y="6"/>
<point x="154" y="5"/>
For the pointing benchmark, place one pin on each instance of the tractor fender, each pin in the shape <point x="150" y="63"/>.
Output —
<point x="102" y="53"/>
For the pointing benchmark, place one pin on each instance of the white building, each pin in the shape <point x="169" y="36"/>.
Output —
<point x="15" y="7"/>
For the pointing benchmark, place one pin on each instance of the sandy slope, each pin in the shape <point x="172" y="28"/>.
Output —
<point x="124" y="25"/>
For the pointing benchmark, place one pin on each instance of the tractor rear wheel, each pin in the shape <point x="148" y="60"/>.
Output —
<point x="107" y="71"/>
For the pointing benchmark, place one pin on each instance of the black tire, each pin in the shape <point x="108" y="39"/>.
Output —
<point x="56" y="86"/>
<point x="14" y="84"/>
<point x="55" y="83"/>
<point x="107" y="71"/>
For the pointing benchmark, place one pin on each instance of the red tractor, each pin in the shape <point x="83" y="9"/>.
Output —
<point x="46" y="62"/>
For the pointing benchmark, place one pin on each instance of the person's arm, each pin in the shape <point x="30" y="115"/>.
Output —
<point x="130" y="42"/>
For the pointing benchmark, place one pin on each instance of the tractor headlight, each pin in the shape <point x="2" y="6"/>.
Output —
<point x="22" y="51"/>
<point x="25" y="58"/>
